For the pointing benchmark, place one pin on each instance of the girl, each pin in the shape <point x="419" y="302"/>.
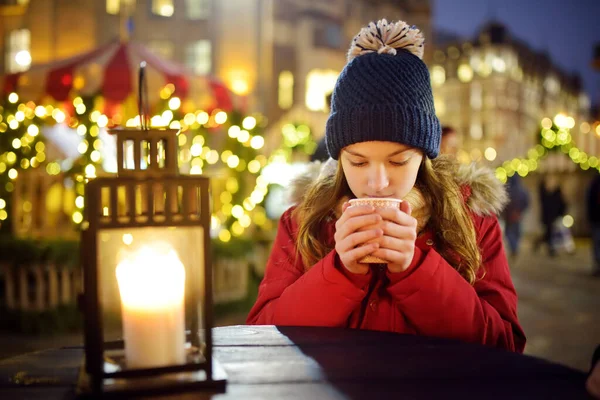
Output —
<point x="446" y="273"/>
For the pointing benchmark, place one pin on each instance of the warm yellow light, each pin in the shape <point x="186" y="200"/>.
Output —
<point x="90" y="171"/>
<point x="438" y="75"/>
<point x="16" y="143"/>
<point x="2" y="204"/>
<point x="221" y="117"/>
<point x="568" y="221"/>
<point x="174" y="103"/>
<point x="225" y="197"/>
<point x="243" y="136"/>
<point x="598" y="130"/>
<point x="212" y="157"/>
<point x="233" y="161"/>
<point x="226" y="209"/>
<point x="40" y="111"/>
<point x="319" y="83"/>
<point x="257" y="142"/>
<point x="175" y="125"/>
<point x="490" y="154"/>
<point x="79" y="201"/>
<point x="102" y="121"/>
<point x="3" y="215"/>
<point x="224" y="235"/>
<point x="77" y="217"/>
<point x="239" y="86"/>
<point x="196" y="170"/>
<point x="80" y="109"/>
<point x="23" y="58"/>
<point x="561" y="120"/>
<point x="13" y="97"/>
<point x="237" y="211"/>
<point x="233" y="131"/>
<point x="20" y="116"/>
<point x="202" y="118"/>
<point x="245" y="220"/>
<point x="465" y="73"/>
<point x="95" y="156"/>
<point x="570" y="122"/>
<point x="249" y="123"/>
<point x="286" y="90"/>
<point x="196" y="150"/>
<point x="128" y="238"/>
<point x="12" y="173"/>
<point x="584" y="127"/>
<point x="82" y="147"/>
<point x="254" y="166"/>
<point x="237" y="229"/>
<point x="58" y="115"/>
<point x="232" y="185"/>
<point x="547" y="123"/>
<point x="33" y="130"/>
<point x="14" y="124"/>
<point x="2" y="167"/>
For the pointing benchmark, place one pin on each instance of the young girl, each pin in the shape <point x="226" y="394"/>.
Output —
<point x="446" y="273"/>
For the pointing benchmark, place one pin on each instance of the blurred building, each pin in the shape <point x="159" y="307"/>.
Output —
<point x="495" y="90"/>
<point x="283" y="54"/>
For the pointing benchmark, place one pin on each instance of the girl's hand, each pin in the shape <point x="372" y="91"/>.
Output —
<point x="351" y="237"/>
<point x="397" y="245"/>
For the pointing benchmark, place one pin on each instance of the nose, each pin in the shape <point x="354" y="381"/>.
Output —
<point x="378" y="178"/>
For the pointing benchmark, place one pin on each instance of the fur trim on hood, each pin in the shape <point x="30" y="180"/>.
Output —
<point x="485" y="194"/>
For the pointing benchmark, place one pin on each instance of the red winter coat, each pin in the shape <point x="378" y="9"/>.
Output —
<point x="430" y="298"/>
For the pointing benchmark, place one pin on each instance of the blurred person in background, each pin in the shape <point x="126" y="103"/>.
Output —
<point x="553" y="206"/>
<point x="513" y="213"/>
<point x="449" y="144"/>
<point x="593" y="211"/>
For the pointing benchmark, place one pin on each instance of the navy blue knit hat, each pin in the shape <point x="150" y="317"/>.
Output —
<point x="384" y="92"/>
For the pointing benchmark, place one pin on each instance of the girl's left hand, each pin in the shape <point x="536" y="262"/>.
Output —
<point x="397" y="245"/>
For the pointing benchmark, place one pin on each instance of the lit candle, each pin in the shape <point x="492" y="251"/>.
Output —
<point x="152" y="285"/>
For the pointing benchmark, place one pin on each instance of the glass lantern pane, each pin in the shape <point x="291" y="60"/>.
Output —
<point x="157" y="293"/>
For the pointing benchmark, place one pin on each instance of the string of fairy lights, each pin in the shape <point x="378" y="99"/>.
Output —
<point x="554" y="136"/>
<point x="236" y="208"/>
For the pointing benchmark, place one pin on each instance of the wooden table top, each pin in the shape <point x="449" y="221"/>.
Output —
<point x="269" y="362"/>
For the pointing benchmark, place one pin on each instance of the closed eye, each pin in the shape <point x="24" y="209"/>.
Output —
<point x="398" y="164"/>
<point x="358" y="164"/>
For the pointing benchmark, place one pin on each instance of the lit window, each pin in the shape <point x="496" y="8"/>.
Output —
<point x="476" y="96"/>
<point x="115" y="6"/>
<point x="198" y="57"/>
<point x="319" y="83"/>
<point x="286" y="90"/>
<point x="439" y="105"/>
<point x="438" y="75"/>
<point x="162" y="48"/>
<point x="197" y="9"/>
<point x="499" y="65"/>
<point x="465" y="73"/>
<point x="163" y="8"/>
<point x="476" y="131"/>
<point x="17" y="53"/>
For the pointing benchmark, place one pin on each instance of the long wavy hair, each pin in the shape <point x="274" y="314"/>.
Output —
<point x="450" y="220"/>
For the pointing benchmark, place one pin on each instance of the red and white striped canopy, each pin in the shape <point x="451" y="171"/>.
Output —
<point x="112" y="71"/>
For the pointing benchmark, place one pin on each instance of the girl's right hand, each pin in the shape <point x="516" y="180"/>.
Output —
<point x="351" y="236"/>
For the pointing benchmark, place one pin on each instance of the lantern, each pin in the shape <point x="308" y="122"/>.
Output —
<point x="147" y="298"/>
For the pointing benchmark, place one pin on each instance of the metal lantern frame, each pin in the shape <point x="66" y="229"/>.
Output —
<point x="185" y="203"/>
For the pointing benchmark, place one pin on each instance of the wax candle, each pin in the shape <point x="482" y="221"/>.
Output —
<point x="152" y="284"/>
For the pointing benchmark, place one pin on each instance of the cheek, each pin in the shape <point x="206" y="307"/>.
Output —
<point x="405" y="180"/>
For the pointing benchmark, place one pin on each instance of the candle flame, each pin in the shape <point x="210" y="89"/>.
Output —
<point x="151" y="279"/>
